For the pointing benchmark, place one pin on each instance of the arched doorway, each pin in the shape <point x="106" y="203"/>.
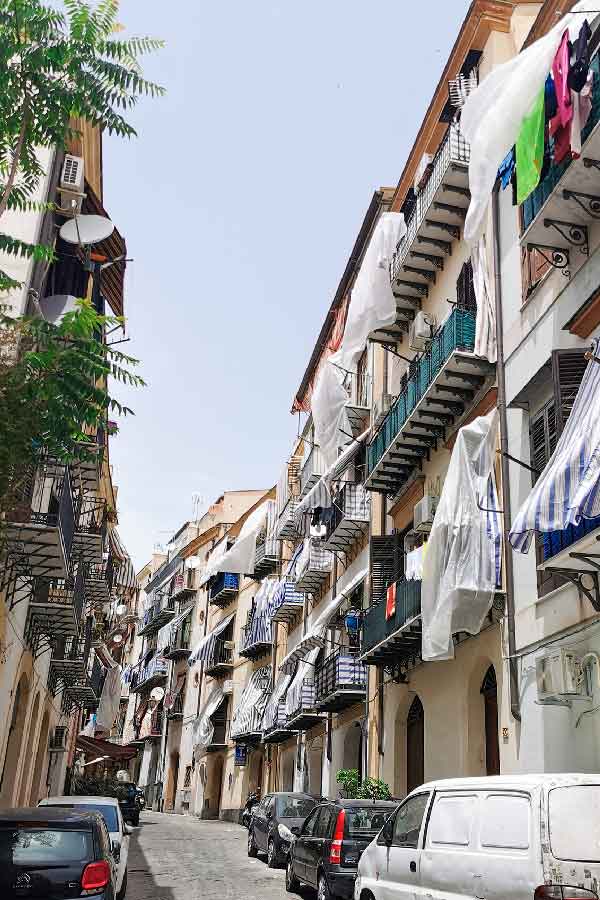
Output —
<point x="415" y="746"/>
<point x="15" y="740"/>
<point x="489" y="691"/>
<point x="39" y="760"/>
<point x="29" y="756"/>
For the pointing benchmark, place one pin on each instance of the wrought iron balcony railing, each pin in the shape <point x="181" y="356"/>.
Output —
<point x="256" y="637"/>
<point x="340" y="681"/>
<point x="220" y="661"/>
<point x="350" y="517"/>
<point x="313" y="468"/>
<point x="393" y="636"/>
<point x="267" y="556"/>
<point x="313" y="566"/>
<point x="150" y="675"/>
<point x="158" y="614"/>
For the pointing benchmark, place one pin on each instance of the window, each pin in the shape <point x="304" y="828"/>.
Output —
<point x="407" y="825"/>
<point x="187" y="779"/>
<point x="309" y="826"/>
<point x="574" y="816"/>
<point x="325" y="821"/>
<point x="294" y="807"/>
<point x="465" y="289"/>
<point x="451" y="821"/>
<point x="30" y="846"/>
<point x="505" y="822"/>
<point x="366" y="821"/>
<point x="534" y="266"/>
<point x="107" y="811"/>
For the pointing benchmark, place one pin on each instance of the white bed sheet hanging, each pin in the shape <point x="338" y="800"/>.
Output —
<point x="203" y="728"/>
<point x="239" y="559"/>
<point x="492" y="116"/>
<point x="459" y="575"/>
<point x="372" y="306"/>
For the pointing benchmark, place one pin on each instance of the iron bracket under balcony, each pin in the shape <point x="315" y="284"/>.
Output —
<point x="576" y="559"/>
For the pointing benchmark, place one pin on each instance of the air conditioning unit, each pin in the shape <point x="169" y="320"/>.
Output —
<point x="381" y="407"/>
<point x="58" y="740"/>
<point x="71" y="185"/>
<point x="424" y="512"/>
<point x="559" y="674"/>
<point x="421" y="331"/>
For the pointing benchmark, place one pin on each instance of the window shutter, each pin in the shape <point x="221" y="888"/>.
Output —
<point x="542" y="437"/>
<point x="465" y="289"/>
<point x="385" y="564"/>
<point x="568" y="367"/>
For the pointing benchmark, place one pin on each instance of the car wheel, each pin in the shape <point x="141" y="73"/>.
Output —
<point x="323" y="889"/>
<point x="292" y="884"/>
<point x="123" y="891"/>
<point x="273" y="861"/>
<point x="252" y="848"/>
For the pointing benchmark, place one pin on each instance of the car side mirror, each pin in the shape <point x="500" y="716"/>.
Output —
<point x="387" y="832"/>
<point x="127" y="829"/>
<point x="116" y="851"/>
<point x="296" y="830"/>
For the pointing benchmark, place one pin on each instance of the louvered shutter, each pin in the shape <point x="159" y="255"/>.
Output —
<point x="568" y="367"/>
<point x="385" y="564"/>
<point x="543" y="437"/>
<point x="465" y="289"/>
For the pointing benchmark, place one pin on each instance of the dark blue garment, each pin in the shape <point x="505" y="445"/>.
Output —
<point x="507" y="167"/>
<point x="550" y="101"/>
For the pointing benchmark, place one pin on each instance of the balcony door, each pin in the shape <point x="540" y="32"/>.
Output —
<point x="415" y="746"/>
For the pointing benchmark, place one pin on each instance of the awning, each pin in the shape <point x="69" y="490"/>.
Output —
<point x="96" y="747"/>
<point x="281" y="685"/>
<point x="320" y="494"/>
<point x="305" y="670"/>
<point x="569" y="487"/>
<point x="316" y="635"/>
<point x="279" y="593"/>
<point x="171" y="696"/>
<point x="247" y="717"/>
<point x="203" y="728"/>
<point x="260" y="628"/>
<point x="204" y="649"/>
<point x="125" y="576"/>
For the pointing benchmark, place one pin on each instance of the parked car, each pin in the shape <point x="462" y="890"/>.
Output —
<point x="54" y="854"/>
<point x="325" y="854"/>
<point x="118" y="830"/>
<point x="498" y="837"/>
<point x="273" y="823"/>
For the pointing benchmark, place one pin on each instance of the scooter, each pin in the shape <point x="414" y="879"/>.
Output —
<point x="252" y="801"/>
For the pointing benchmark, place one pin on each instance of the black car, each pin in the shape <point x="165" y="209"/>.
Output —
<point x="274" y="822"/>
<point x="325" y="854"/>
<point x="55" y="854"/>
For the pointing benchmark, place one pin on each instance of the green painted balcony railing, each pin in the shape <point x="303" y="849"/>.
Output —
<point x="376" y="628"/>
<point x="532" y="206"/>
<point x="457" y="333"/>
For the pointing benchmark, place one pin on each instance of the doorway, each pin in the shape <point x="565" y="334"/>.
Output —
<point x="415" y="746"/>
<point x="489" y="691"/>
<point x="15" y="739"/>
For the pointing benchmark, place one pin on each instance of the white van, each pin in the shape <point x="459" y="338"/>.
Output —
<point x="500" y="838"/>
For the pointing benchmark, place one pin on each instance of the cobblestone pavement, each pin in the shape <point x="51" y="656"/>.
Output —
<point x="184" y="858"/>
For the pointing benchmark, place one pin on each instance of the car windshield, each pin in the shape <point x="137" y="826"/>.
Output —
<point x="108" y="812"/>
<point x="26" y="846"/>
<point x="294" y="807"/>
<point x="366" y="820"/>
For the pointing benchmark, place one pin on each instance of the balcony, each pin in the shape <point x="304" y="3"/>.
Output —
<point x="313" y="468"/>
<point x="90" y="529"/>
<point x="340" y="682"/>
<point x="87" y="467"/>
<point x="256" y="640"/>
<point x="223" y="589"/>
<point x="158" y="614"/>
<point x="179" y="646"/>
<point x="98" y="579"/>
<point x="288" y="602"/>
<point x="56" y="607"/>
<point x="313" y="567"/>
<point x="301" y="708"/>
<point x="69" y="660"/>
<point x="396" y="640"/>
<point x="220" y="662"/>
<point x="267" y="557"/>
<point x="287" y="530"/>
<point x="442" y="384"/>
<point x="276" y="732"/>
<point x="358" y="406"/>
<point x="350" y="517"/>
<point x="149" y="676"/>
<point x="557" y="215"/>
<point x="573" y="550"/>
<point x="38" y="530"/>
<point x="183" y="587"/>
<point x="219" y="738"/>
<point x="86" y="691"/>
<point x="152" y="727"/>
<point x="434" y="223"/>
<point x="176" y="710"/>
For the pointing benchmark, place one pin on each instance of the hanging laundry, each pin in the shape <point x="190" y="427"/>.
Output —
<point x="580" y="67"/>
<point x="582" y="107"/>
<point x="507" y="167"/>
<point x="414" y="564"/>
<point x="560" y="72"/>
<point x="550" y="98"/>
<point x="530" y="149"/>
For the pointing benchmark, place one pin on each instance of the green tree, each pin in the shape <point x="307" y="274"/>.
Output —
<point x="367" y="789"/>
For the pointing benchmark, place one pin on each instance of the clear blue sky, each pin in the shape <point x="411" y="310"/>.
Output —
<point x="240" y="202"/>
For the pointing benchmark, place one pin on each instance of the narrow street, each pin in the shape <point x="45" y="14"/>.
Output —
<point x="184" y="858"/>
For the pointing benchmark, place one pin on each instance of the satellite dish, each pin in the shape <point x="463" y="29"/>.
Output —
<point x="157" y="694"/>
<point x="117" y="638"/>
<point x="86" y="230"/>
<point x="53" y="308"/>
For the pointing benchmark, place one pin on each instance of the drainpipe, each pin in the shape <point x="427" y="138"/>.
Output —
<point x="515" y="705"/>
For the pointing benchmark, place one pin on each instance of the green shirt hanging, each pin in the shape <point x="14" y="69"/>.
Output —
<point x="530" y="150"/>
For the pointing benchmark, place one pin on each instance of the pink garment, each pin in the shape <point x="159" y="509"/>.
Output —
<point x="560" y="74"/>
